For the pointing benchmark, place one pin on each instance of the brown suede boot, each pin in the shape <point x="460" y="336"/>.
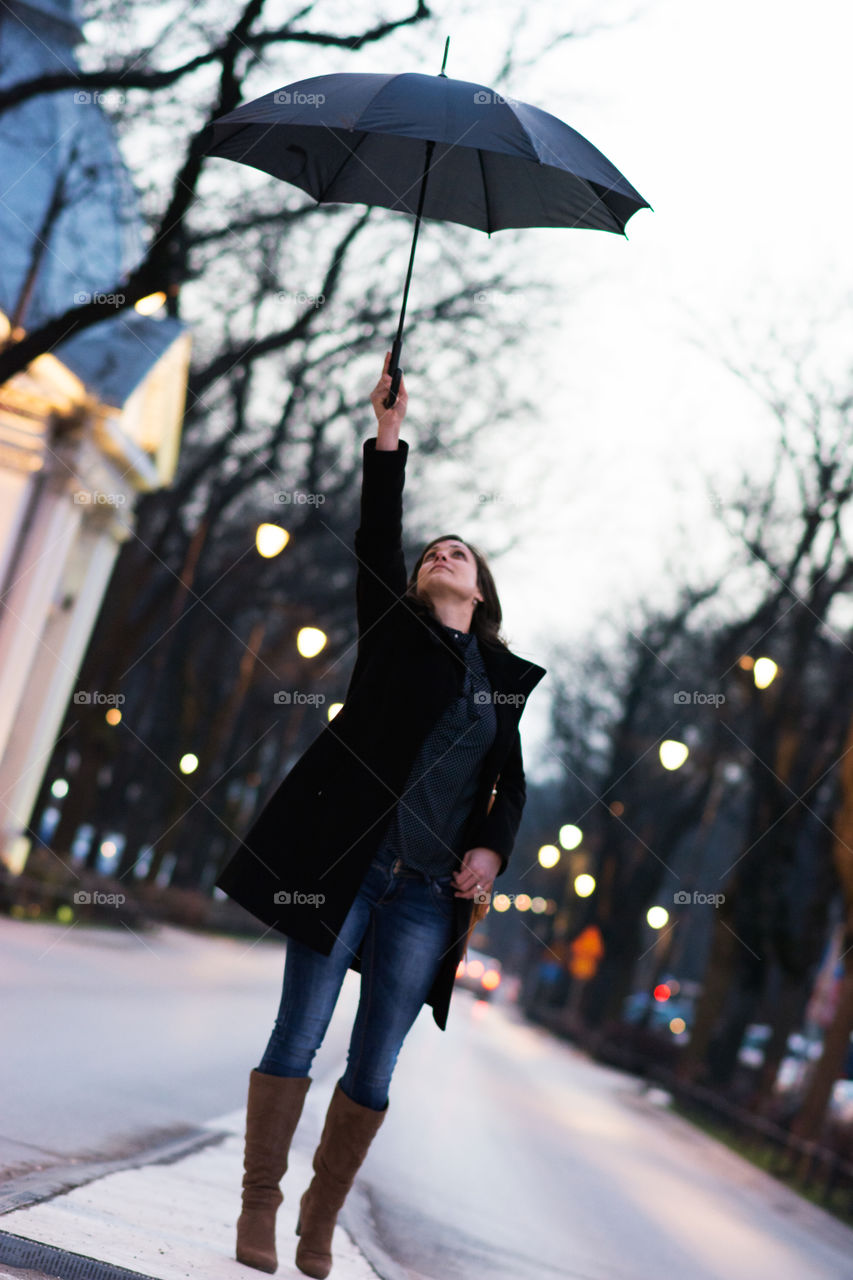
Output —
<point x="274" y="1107"/>
<point x="347" y="1133"/>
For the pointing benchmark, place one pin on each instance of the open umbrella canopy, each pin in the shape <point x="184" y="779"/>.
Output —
<point x="357" y="138"/>
<point x="439" y="148"/>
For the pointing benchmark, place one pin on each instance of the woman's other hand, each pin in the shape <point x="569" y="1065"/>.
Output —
<point x="388" y="420"/>
<point x="477" y="873"/>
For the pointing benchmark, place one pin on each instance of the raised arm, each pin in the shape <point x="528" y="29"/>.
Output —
<point x="379" y="538"/>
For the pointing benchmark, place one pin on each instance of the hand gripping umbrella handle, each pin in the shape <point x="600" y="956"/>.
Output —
<point x="391" y="397"/>
<point x="396" y="374"/>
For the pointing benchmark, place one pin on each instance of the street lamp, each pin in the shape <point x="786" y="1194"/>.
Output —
<point x="764" y="672"/>
<point x="150" y="304"/>
<point x="309" y="641"/>
<point x="673" y="753"/>
<point x="549" y="855"/>
<point x="570" y="836"/>
<point x="270" y="540"/>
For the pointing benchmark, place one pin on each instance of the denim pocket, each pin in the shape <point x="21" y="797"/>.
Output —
<point x="443" y="892"/>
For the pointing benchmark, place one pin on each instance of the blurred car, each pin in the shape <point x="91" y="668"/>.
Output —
<point x="752" y="1046"/>
<point x="642" y="1007"/>
<point x="793" y="1069"/>
<point x="479" y="973"/>
<point x="841" y="1101"/>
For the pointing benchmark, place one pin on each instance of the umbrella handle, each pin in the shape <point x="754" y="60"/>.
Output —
<point x="391" y="397"/>
<point x="396" y="373"/>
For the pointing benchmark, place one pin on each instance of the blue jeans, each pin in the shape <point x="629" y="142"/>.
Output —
<point x="406" y="921"/>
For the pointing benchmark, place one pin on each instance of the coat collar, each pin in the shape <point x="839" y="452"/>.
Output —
<point x="506" y="670"/>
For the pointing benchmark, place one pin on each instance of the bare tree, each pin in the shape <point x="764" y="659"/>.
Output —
<point x="809" y="1120"/>
<point x="764" y="806"/>
<point x="792" y="528"/>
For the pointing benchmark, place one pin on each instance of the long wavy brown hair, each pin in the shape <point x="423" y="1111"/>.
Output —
<point x="488" y="615"/>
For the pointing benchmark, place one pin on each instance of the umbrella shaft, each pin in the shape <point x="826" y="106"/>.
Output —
<point x="397" y="347"/>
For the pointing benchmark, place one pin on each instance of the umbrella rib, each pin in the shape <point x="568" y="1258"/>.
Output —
<point x="354" y="149"/>
<point x="598" y="199"/>
<point x="485" y="191"/>
<point x="340" y="167"/>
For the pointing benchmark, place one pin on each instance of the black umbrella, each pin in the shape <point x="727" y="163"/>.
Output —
<point x="491" y="162"/>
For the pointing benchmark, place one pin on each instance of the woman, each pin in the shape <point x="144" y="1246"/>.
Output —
<point x="373" y="848"/>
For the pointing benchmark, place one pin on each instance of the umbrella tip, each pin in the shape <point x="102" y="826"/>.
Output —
<point x="444" y="59"/>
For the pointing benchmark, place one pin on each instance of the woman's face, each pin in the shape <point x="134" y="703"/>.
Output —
<point x="448" y="571"/>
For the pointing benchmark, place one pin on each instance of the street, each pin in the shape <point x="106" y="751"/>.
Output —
<point x="506" y="1153"/>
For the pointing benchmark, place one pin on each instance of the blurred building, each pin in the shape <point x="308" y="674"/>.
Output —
<point x="89" y="426"/>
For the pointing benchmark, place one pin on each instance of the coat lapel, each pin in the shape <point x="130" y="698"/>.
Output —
<point x="509" y="675"/>
<point x="506" y="671"/>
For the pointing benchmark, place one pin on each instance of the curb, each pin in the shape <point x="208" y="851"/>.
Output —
<point x="168" y="1218"/>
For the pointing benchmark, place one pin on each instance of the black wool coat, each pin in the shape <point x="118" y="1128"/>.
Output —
<point x="305" y="856"/>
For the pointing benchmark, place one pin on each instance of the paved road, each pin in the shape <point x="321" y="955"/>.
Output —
<point x="506" y="1154"/>
<point x="111" y="1038"/>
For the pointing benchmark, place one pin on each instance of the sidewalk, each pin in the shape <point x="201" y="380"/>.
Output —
<point x="171" y="1221"/>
